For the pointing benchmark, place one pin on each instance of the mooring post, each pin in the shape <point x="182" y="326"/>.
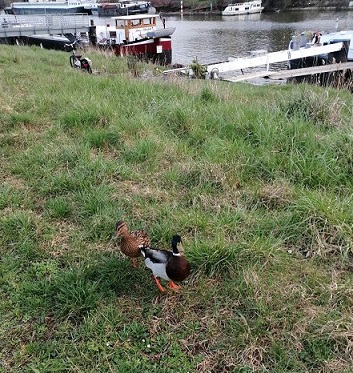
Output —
<point x="92" y="36"/>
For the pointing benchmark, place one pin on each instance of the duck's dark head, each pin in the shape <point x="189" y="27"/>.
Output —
<point x="177" y="245"/>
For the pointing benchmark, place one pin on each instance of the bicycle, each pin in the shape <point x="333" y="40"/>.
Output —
<point x="77" y="61"/>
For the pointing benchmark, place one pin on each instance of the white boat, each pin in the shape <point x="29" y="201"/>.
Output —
<point x="249" y="7"/>
<point x="313" y="40"/>
<point x="123" y="8"/>
<point x="31" y="7"/>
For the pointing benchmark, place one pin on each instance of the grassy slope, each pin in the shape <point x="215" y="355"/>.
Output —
<point x="260" y="190"/>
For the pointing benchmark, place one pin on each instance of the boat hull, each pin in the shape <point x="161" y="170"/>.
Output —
<point x="241" y="12"/>
<point x="47" y="41"/>
<point x="44" y="41"/>
<point x="158" y="50"/>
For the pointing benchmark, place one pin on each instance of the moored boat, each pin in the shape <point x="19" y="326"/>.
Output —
<point x="313" y="40"/>
<point x="249" y="7"/>
<point x="123" y="8"/>
<point x="31" y="7"/>
<point x="137" y="35"/>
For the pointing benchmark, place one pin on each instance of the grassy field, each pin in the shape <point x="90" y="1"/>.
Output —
<point x="256" y="179"/>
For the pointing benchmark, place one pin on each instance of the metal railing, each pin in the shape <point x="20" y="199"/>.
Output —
<point x="21" y="25"/>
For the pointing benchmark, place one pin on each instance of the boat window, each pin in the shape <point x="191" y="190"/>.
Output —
<point x="112" y="34"/>
<point x="119" y="23"/>
<point x="147" y="21"/>
<point x="135" y="22"/>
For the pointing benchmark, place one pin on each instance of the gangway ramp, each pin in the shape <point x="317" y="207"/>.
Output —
<point x="274" y="57"/>
<point x="286" y="74"/>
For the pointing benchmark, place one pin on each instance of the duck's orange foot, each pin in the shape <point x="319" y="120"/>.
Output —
<point x="174" y="286"/>
<point x="160" y="287"/>
<point x="133" y="263"/>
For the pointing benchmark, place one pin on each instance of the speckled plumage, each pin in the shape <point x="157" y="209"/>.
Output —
<point x="131" y="241"/>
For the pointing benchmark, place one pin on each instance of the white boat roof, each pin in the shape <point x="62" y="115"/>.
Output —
<point x="339" y="35"/>
<point x="137" y="16"/>
<point x="246" y="3"/>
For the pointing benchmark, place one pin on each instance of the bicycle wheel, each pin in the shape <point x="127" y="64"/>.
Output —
<point x="72" y="61"/>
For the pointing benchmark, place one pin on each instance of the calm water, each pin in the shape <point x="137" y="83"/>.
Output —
<point x="215" y="38"/>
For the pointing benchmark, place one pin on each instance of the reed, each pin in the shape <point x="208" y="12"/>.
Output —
<point x="256" y="179"/>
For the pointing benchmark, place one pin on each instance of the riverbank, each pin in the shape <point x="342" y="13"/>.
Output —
<point x="256" y="180"/>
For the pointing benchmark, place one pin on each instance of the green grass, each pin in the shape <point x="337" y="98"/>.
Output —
<point x="256" y="179"/>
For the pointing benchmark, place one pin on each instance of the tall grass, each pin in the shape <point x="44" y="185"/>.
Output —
<point x="257" y="181"/>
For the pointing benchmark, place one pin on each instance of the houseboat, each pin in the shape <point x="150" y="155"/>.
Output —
<point x="32" y="7"/>
<point x="249" y="7"/>
<point x="123" y="8"/>
<point x="137" y="35"/>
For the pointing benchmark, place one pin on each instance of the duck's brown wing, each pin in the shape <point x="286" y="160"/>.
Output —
<point x="141" y="237"/>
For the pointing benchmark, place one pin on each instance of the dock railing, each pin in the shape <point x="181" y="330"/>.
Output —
<point x="15" y="26"/>
<point x="274" y="57"/>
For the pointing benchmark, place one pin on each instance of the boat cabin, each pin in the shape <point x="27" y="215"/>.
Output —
<point x="128" y="29"/>
<point x="243" y="8"/>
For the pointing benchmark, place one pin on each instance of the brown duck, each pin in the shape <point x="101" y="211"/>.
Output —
<point x="169" y="265"/>
<point x="131" y="242"/>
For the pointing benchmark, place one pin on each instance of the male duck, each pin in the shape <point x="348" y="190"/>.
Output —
<point x="131" y="241"/>
<point x="169" y="265"/>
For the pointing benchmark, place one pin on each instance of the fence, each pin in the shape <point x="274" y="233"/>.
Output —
<point x="15" y="26"/>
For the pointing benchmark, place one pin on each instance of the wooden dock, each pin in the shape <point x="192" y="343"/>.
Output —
<point x="17" y="26"/>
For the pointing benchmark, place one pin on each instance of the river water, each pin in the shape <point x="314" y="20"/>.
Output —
<point x="214" y="38"/>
